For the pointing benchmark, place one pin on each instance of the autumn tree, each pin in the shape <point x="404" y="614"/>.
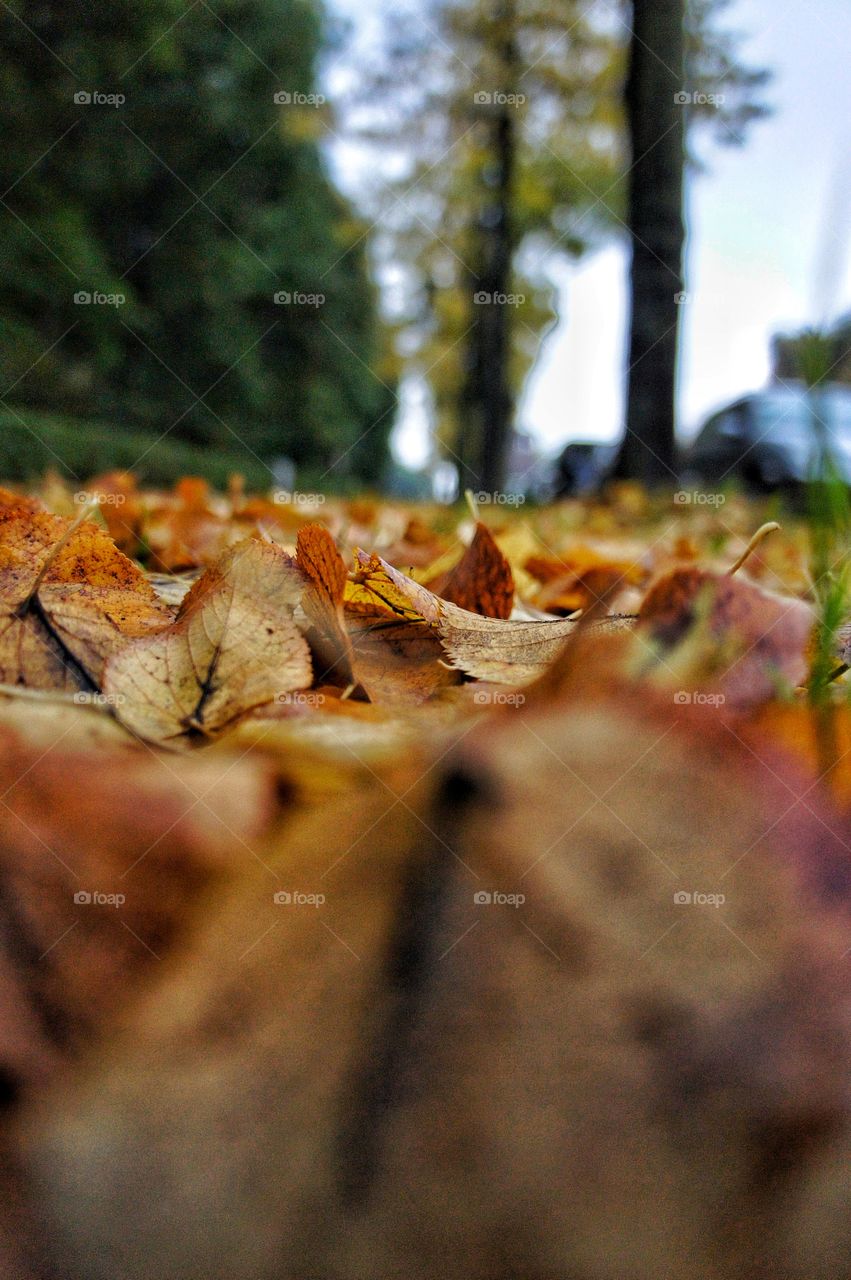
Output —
<point x="507" y="115"/>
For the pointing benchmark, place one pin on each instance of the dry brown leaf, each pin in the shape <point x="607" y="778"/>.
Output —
<point x="325" y="573"/>
<point x="399" y="663"/>
<point x="495" y="649"/>
<point x="482" y="581"/>
<point x="118" y="500"/>
<point x="66" y="606"/>
<point x="233" y="647"/>
<point x="742" y="639"/>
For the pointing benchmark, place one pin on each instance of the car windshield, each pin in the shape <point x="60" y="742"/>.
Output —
<point x="787" y="416"/>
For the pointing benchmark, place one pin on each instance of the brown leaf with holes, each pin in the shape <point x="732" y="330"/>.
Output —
<point x="737" y="637"/>
<point x="234" y="647"/>
<point x="482" y="581"/>
<point x="69" y="599"/>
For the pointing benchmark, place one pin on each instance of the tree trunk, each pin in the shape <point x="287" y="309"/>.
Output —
<point x="655" y="114"/>
<point x="488" y="399"/>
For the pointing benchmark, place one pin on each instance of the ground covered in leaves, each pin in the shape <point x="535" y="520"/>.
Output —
<point x="179" y="619"/>
<point x="291" y="700"/>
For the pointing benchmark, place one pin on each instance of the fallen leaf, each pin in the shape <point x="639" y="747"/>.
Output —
<point x="325" y="575"/>
<point x="482" y="581"/>
<point x="499" y="650"/>
<point x="68" y="600"/>
<point x="233" y="647"/>
<point x="117" y="496"/>
<point x="739" y="638"/>
<point x="399" y="663"/>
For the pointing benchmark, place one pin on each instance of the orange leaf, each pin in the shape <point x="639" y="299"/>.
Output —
<point x="68" y="600"/>
<point x="481" y="581"/>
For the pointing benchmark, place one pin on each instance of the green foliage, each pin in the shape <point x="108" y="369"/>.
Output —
<point x="829" y="511"/>
<point x="32" y="443"/>
<point x="198" y="198"/>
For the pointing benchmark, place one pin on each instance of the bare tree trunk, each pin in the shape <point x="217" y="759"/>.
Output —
<point x="488" y="399"/>
<point x="655" y="113"/>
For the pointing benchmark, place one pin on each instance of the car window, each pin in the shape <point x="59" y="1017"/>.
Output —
<point x="787" y="416"/>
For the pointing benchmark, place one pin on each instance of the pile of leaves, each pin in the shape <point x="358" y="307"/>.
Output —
<point x="366" y="619"/>
<point x="208" y="698"/>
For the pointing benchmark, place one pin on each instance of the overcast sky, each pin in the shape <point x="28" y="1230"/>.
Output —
<point x="769" y="228"/>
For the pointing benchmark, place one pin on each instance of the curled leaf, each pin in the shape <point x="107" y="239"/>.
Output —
<point x="500" y="650"/>
<point x="325" y="575"/>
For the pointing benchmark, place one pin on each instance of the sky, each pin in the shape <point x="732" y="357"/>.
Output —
<point x="768" y="246"/>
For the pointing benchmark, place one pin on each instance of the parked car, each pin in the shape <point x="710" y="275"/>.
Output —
<point x="775" y="439"/>
<point x="582" y="467"/>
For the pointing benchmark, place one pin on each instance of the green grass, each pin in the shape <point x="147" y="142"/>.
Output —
<point x="32" y="442"/>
